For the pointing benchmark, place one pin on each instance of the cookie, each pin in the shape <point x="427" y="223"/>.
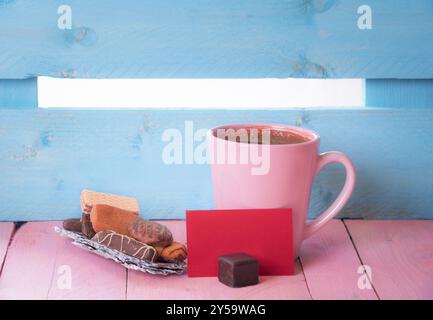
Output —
<point x="126" y="245"/>
<point x="150" y="232"/>
<point x="90" y="198"/>
<point x="175" y="252"/>
<point x="106" y="217"/>
<point x="72" y="225"/>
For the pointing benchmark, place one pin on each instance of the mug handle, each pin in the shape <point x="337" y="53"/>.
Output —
<point x="338" y="204"/>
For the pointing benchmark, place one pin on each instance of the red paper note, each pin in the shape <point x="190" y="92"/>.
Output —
<point x="265" y="234"/>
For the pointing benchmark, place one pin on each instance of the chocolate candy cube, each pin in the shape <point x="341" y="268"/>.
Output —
<point x="238" y="270"/>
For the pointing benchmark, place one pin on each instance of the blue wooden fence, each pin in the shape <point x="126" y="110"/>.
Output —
<point x="48" y="156"/>
<point x="216" y="39"/>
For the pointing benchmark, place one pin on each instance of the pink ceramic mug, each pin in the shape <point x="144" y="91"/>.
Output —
<point x="284" y="182"/>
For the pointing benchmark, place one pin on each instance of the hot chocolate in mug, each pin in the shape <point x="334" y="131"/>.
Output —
<point x="261" y="165"/>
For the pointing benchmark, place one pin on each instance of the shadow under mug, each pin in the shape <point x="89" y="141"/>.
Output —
<point x="275" y="175"/>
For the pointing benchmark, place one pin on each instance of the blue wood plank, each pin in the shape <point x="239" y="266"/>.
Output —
<point x="216" y="39"/>
<point x="18" y="94"/>
<point x="48" y="156"/>
<point x="399" y="93"/>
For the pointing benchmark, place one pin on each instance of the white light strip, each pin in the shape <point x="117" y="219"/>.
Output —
<point x="199" y="93"/>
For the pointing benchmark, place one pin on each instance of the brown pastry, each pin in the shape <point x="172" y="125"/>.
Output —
<point x="90" y="198"/>
<point x="150" y="232"/>
<point x="72" y="225"/>
<point x="86" y="226"/>
<point x="176" y="252"/>
<point x="105" y="217"/>
<point x="126" y="245"/>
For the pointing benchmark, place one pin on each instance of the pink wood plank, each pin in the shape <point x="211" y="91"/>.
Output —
<point x="330" y="264"/>
<point x="149" y="287"/>
<point x="36" y="264"/>
<point x="6" y="230"/>
<point x="93" y="277"/>
<point x="27" y="270"/>
<point x="400" y="254"/>
<point x="145" y="286"/>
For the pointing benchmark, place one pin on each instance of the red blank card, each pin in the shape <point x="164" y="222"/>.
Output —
<point x="265" y="234"/>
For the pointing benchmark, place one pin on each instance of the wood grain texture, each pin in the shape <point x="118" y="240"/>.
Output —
<point x="29" y="266"/>
<point x="54" y="154"/>
<point x="393" y="93"/>
<point x="400" y="254"/>
<point x="330" y="264"/>
<point x="216" y="39"/>
<point x="18" y="94"/>
<point x="149" y="287"/>
<point x="39" y="259"/>
<point x="6" y="231"/>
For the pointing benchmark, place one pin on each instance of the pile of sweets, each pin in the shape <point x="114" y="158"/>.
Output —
<point x="114" y="221"/>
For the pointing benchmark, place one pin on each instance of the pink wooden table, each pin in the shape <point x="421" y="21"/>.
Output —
<point x="398" y="256"/>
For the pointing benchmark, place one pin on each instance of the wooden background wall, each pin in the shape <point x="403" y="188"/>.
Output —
<point x="48" y="156"/>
